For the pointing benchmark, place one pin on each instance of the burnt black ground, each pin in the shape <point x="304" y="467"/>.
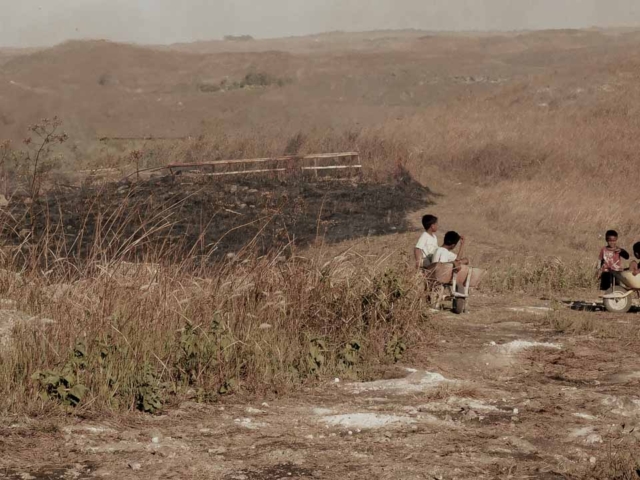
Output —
<point x="184" y="216"/>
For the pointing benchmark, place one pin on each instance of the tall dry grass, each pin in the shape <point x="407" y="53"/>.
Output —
<point x="108" y="335"/>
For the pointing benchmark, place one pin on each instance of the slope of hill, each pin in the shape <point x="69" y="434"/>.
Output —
<point x="106" y="89"/>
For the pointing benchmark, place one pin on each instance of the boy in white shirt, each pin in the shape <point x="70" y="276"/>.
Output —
<point x="445" y="254"/>
<point x="428" y="242"/>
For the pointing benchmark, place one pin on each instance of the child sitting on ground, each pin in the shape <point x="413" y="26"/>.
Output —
<point x="610" y="260"/>
<point x="635" y="269"/>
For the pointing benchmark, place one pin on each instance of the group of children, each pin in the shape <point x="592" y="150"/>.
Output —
<point x="610" y="260"/>
<point x="428" y="252"/>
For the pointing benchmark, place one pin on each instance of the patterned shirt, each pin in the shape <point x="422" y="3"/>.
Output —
<point x="611" y="260"/>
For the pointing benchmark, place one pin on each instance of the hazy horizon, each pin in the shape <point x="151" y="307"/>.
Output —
<point x="35" y="23"/>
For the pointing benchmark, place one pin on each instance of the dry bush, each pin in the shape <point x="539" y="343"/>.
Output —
<point x="619" y="462"/>
<point x="123" y="336"/>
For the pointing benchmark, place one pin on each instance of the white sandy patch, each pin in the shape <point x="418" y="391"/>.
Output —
<point x="413" y="383"/>
<point x="249" y="423"/>
<point x="321" y="412"/>
<point x="581" y="432"/>
<point x="587" y="434"/>
<point x="455" y="404"/>
<point x="520" y="345"/>
<point x="584" y="416"/>
<point x="89" y="429"/>
<point x="366" y="420"/>
<point x="623" y="406"/>
<point x="531" y="310"/>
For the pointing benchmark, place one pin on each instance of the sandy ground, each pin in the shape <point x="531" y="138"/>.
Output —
<point x="504" y="394"/>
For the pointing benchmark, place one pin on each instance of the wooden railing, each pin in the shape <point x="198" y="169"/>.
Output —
<point x="276" y="164"/>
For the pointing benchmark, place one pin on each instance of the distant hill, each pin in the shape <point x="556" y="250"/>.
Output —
<point x="104" y="89"/>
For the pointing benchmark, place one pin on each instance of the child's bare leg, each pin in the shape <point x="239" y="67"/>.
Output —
<point x="634" y="268"/>
<point x="461" y="275"/>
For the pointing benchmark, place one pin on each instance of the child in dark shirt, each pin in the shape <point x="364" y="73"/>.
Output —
<point x="611" y="257"/>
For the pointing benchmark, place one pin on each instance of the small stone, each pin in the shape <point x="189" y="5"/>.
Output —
<point x="155" y="440"/>
<point x="134" y="466"/>
<point x="516" y="411"/>
<point x="309" y="437"/>
<point x="265" y="326"/>
<point x="233" y="189"/>
<point x="231" y="256"/>
<point x="336" y="380"/>
<point x="265" y="404"/>
<point x="350" y="432"/>
<point x="592" y="460"/>
<point x="3" y="201"/>
<point x="493" y="344"/>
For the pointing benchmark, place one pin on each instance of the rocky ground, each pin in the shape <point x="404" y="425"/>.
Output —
<point x="515" y="389"/>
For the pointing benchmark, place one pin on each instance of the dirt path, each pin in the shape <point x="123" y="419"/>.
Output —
<point x="502" y="395"/>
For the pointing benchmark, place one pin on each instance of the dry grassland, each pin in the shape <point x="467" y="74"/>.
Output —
<point x="148" y="293"/>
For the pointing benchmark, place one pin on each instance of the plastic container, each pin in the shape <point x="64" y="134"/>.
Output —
<point x="629" y="280"/>
<point x="443" y="273"/>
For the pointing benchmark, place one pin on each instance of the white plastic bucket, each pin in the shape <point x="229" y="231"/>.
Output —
<point x="629" y="280"/>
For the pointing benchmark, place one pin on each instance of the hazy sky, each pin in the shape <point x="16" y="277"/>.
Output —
<point x="46" y="22"/>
